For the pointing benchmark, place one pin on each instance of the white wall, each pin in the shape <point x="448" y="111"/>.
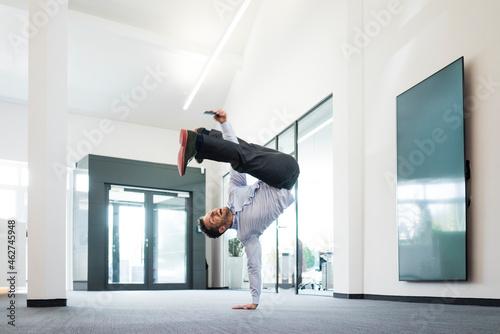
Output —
<point x="121" y="140"/>
<point x="302" y="50"/>
<point x="421" y="39"/>
<point x="287" y="68"/>
<point x="91" y="135"/>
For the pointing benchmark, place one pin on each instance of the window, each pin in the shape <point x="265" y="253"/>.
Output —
<point x="14" y="204"/>
<point x="13" y="190"/>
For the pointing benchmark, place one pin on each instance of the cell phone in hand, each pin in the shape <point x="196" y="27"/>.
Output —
<point x="208" y="112"/>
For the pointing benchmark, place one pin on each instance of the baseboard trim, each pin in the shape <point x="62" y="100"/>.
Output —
<point x="46" y="302"/>
<point x="348" y="295"/>
<point x="422" y="299"/>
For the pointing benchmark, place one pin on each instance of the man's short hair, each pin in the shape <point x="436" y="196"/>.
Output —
<point x="211" y="233"/>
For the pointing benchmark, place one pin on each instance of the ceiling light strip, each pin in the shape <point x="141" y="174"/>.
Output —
<point x="216" y="52"/>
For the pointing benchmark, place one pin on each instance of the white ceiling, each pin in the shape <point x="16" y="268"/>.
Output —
<point x="115" y="45"/>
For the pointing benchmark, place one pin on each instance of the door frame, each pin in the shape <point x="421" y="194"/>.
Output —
<point x="148" y="238"/>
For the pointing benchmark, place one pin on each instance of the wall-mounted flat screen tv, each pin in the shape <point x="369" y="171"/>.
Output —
<point x="431" y="178"/>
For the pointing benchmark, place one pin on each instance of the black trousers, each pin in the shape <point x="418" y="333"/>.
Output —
<point x="275" y="168"/>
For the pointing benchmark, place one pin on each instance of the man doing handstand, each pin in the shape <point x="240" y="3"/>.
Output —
<point x="251" y="208"/>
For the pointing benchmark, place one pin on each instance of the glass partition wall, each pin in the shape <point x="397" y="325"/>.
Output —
<point x="287" y="224"/>
<point x="269" y="245"/>
<point x="315" y="200"/>
<point x="297" y="250"/>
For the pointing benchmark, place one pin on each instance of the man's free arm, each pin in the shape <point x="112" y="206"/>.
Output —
<point x="237" y="179"/>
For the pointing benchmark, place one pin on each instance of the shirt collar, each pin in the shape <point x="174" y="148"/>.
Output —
<point x="235" y="221"/>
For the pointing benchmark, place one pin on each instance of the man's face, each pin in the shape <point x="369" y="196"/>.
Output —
<point x="218" y="218"/>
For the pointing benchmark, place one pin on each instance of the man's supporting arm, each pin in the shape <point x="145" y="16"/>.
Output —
<point x="254" y="266"/>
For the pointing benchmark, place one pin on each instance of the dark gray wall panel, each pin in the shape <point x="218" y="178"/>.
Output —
<point x="107" y="170"/>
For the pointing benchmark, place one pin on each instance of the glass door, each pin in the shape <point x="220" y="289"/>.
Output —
<point x="147" y="239"/>
<point x="126" y="238"/>
<point x="170" y="217"/>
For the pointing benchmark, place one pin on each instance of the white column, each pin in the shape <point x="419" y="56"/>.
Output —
<point x="47" y="109"/>
<point x="348" y="148"/>
<point x="215" y="259"/>
<point x="214" y="247"/>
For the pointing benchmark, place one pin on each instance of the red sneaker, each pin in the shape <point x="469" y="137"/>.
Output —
<point x="187" y="139"/>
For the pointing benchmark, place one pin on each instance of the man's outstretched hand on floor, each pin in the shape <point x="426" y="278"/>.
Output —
<point x="220" y="116"/>
<point x="246" y="307"/>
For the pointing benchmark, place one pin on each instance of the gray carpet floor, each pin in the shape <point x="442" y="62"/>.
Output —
<point x="209" y="311"/>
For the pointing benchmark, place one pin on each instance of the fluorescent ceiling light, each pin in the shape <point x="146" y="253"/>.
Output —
<point x="315" y="130"/>
<point x="216" y="52"/>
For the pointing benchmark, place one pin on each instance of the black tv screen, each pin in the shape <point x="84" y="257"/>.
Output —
<point x="431" y="178"/>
